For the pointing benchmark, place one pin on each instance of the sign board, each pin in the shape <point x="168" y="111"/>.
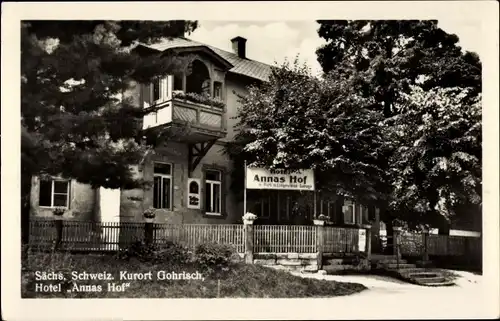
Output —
<point x="299" y="180"/>
<point x="194" y="193"/>
<point x="362" y="240"/>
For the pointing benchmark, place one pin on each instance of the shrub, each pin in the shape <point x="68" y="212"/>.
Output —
<point x="169" y="253"/>
<point x="212" y="257"/>
<point x="141" y="251"/>
<point x="175" y="254"/>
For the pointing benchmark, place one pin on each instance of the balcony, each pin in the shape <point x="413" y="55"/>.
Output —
<point x="201" y="119"/>
<point x="191" y="101"/>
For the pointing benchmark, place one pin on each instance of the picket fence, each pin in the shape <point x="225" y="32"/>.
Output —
<point x="111" y="236"/>
<point x="90" y="236"/>
<point x="341" y="240"/>
<point x="99" y="236"/>
<point x="285" y="239"/>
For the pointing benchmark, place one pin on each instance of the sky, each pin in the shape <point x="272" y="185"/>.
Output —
<point x="275" y="41"/>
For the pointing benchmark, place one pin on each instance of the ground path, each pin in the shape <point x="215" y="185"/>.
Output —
<point x="388" y="297"/>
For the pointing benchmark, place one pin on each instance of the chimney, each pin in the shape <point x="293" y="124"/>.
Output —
<point x="239" y="46"/>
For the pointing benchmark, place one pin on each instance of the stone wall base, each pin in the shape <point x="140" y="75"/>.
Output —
<point x="298" y="262"/>
<point x="307" y="262"/>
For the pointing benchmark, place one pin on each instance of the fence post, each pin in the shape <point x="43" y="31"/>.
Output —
<point x="148" y="232"/>
<point x="248" y="227"/>
<point x="320" y="241"/>
<point x="397" y="242"/>
<point x="425" y="257"/>
<point x="368" y="238"/>
<point x="59" y="230"/>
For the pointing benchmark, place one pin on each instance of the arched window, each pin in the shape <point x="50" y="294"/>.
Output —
<point x="193" y="188"/>
<point x="198" y="81"/>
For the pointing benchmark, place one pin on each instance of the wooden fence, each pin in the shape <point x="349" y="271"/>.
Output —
<point x="89" y="236"/>
<point x="111" y="236"/>
<point x="413" y="244"/>
<point x="285" y="239"/>
<point x="192" y="235"/>
<point x="341" y="240"/>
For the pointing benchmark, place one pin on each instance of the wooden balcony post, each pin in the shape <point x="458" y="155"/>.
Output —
<point x="184" y="82"/>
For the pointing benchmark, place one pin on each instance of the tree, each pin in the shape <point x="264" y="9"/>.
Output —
<point x="389" y="57"/>
<point x="296" y="121"/>
<point x="392" y="55"/>
<point x="436" y="168"/>
<point x="76" y="119"/>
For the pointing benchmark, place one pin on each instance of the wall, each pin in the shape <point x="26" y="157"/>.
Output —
<point x="233" y="84"/>
<point x="81" y="205"/>
<point x="288" y="261"/>
<point x="134" y="202"/>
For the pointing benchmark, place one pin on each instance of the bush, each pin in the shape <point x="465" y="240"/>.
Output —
<point x="170" y="253"/>
<point x="175" y="254"/>
<point x="214" y="257"/>
<point x="141" y="251"/>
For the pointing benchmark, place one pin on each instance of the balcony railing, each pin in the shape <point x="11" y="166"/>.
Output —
<point x="205" y="121"/>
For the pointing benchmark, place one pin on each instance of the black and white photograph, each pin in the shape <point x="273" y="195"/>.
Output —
<point x="344" y="163"/>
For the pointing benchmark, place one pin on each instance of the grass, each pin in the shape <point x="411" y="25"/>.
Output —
<point x="238" y="281"/>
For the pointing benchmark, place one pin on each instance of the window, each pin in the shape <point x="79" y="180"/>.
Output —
<point x="193" y="188"/>
<point x="349" y="212"/>
<point x="162" y="190"/>
<point x="266" y="206"/>
<point x="213" y="192"/>
<point x="54" y="193"/>
<point x="364" y="214"/>
<point x="218" y="90"/>
<point x="154" y="92"/>
<point x="328" y="208"/>
<point x="156" y="89"/>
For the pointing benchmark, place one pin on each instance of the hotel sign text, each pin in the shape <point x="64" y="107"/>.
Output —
<point x="260" y="178"/>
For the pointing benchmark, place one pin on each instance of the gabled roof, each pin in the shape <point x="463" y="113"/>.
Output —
<point x="241" y="66"/>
